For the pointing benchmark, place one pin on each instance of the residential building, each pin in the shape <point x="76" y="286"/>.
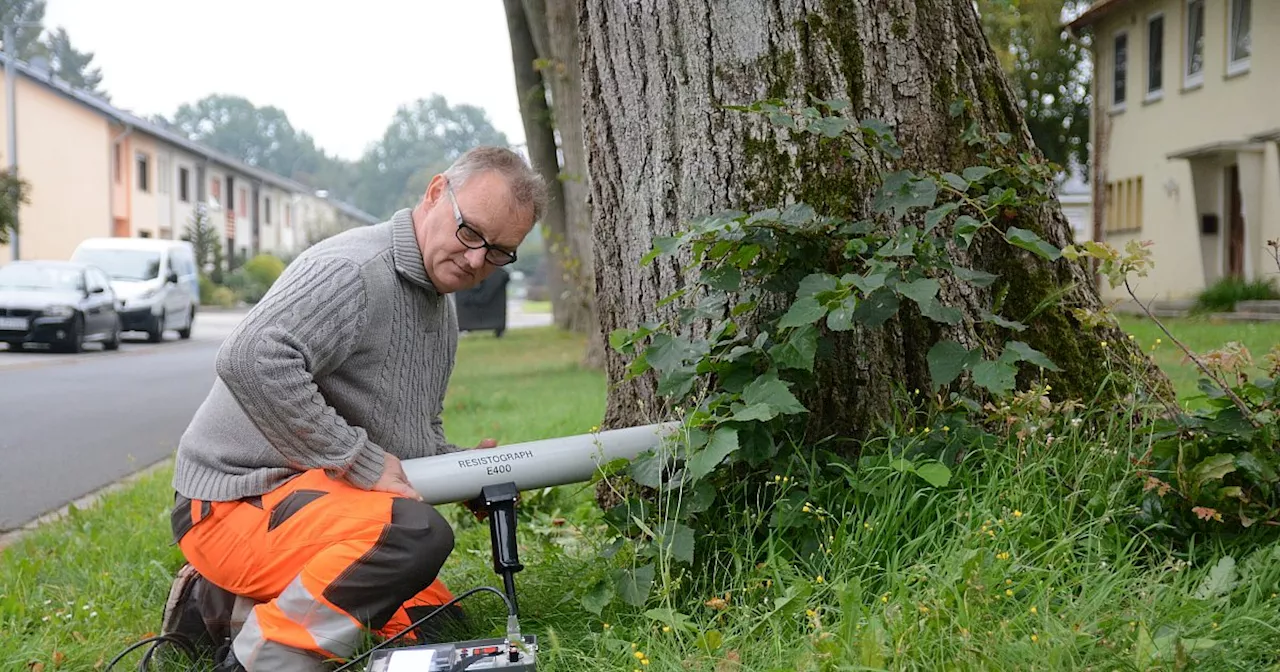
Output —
<point x="97" y="170"/>
<point x="1185" y="125"/>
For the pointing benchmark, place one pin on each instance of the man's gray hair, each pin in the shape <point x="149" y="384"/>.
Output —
<point x="527" y="186"/>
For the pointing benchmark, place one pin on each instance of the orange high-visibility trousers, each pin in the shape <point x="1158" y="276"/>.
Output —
<point x="326" y="560"/>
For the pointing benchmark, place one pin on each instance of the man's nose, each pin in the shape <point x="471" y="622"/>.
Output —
<point x="475" y="258"/>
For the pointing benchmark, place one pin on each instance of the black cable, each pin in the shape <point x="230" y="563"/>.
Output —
<point x="426" y="618"/>
<point x="155" y="642"/>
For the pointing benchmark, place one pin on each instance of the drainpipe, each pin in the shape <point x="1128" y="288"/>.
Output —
<point x="112" y="175"/>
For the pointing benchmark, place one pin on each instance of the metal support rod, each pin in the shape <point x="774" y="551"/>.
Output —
<point x="11" y="120"/>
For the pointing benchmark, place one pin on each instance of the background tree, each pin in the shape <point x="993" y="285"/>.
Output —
<point x="14" y="193"/>
<point x="1048" y="70"/>
<point x="662" y="149"/>
<point x="68" y="63"/>
<point x="71" y="65"/>
<point x="204" y="239"/>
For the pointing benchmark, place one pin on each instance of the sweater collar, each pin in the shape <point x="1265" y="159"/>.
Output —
<point x="405" y="252"/>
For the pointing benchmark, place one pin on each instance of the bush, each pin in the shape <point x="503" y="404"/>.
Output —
<point x="222" y="296"/>
<point x="264" y="269"/>
<point x="1224" y="294"/>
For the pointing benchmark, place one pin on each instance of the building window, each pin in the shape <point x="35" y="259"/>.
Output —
<point x="1123" y="208"/>
<point x="244" y="203"/>
<point x="184" y="185"/>
<point x="266" y="207"/>
<point x="1119" y="73"/>
<point x="144" y="173"/>
<point x="1193" y="72"/>
<point x="118" y="159"/>
<point x="1155" y="56"/>
<point x="215" y="191"/>
<point x="1240" y="46"/>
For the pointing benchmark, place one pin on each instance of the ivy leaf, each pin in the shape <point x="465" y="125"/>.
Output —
<point x="902" y="191"/>
<point x="934" y="310"/>
<point x="798" y="213"/>
<point x="724" y="278"/>
<point x="973" y="277"/>
<point x="965" y="228"/>
<point x="676" y="383"/>
<point x="767" y="389"/>
<point x="1028" y="240"/>
<point x="803" y="311"/>
<point x="816" y="283"/>
<point x="1220" y="581"/>
<point x="1027" y="353"/>
<point x="996" y="376"/>
<point x="936" y="215"/>
<point x="841" y="317"/>
<point x="934" y="473"/>
<point x="724" y="441"/>
<point x="677" y="539"/>
<point x="598" y="596"/>
<point x="668" y="352"/>
<point x="1213" y="468"/>
<point x="661" y="245"/>
<point x="975" y="173"/>
<point x="1257" y="470"/>
<point x="956" y="182"/>
<point x="947" y="360"/>
<point x="753" y="412"/>
<point x="831" y="127"/>
<point x="647" y="468"/>
<point x="1000" y="321"/>
<point x="921" y="291"/>
<point x="799" y="349"/>
<point x="867" y="284"/>
<point x="634" y="584"/>
<point x="877" y="308"/>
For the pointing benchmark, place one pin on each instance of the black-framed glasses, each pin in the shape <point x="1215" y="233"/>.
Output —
<point x="472" y="238"/>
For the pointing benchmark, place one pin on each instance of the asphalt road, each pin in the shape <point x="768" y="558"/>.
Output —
<point x="71" y="424"/>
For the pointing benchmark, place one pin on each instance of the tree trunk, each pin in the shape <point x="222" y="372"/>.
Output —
<point x="662" y="150"/>
<point x="540" y="140"/>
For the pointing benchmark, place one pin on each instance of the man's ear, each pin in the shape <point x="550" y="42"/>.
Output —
<point x="435" y="190"/>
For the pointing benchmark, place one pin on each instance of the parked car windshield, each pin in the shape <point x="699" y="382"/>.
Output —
<point x="123" y="264"/>
<point x="37" y="277"/>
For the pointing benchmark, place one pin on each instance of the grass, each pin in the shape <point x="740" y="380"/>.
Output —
<point x="1023" y="563"/>
<point x="1200" y="335"/>
<point x="537" y="306"/>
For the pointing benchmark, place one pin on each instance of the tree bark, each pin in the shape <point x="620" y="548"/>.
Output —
<point x="662" y="150"/>
<point x="540" y="141"/>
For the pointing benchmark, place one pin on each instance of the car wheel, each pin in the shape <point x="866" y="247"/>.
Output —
<point x="156" y="333"/>
<point x="75" y="339"/>
<point x="113" y="342"/>
<point x="185" y="332"/>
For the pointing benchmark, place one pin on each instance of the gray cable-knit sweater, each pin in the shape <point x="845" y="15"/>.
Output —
<point x="347" y="356"/>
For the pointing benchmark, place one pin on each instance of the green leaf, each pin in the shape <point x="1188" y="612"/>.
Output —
<point x="710" y="641"/>
<point x="815" y="283"/>
<point x="877" y="308"/>
<point x="947" y="360"/>
<point x="831" y="127"/>
<point x="921" y="291"/>
<point x="936" y="215"/>
<point x="965" y="228"/>
<point x="673" y="618"/>
<point x="1257" y="470"/>
<point x="841" y="317"/>
<point x="956" y="108"/>
<point x="937" y="312"/>
<point x="1213" y="468"/>
<point x="677" y="539"/>
<point x="767" y="389"/>
<point x="1220" y="581"/>
<point x="668" y="352"/>
<point x="956" y="182"/>
<point x="676" y="383"/>
<point x="661" y="245"/>
<point x="934" y="473"/>
<point x="634" y="584"/>
<point x="723" y="442"/>
<point x="619" y="339"/>
<point x="1000" y="321"/>
<point x="753" y="412"/>
<point x="799" y="349"/>
<point x="1028" y="240"/>
<point x="803" y="311"/>
<point x="1027" y="353"/>
<point x="866" y="284"/>
<point x="902" y="191"/>
<point x="976" y="278"/>
<point x="798" y="213"/>
<point x="975" y="173"/>
<point x="996" y="376"/>
<point x="598" y="596"/>
<point x="646" y="469"/>
<point x="724" y="278"/>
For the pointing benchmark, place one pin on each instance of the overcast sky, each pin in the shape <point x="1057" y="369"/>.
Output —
<point x="338" y="69"/>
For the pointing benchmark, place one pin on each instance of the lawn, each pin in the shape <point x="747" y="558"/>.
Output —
<point x="1022" y="564"/>
<point x="1201" y="335"/>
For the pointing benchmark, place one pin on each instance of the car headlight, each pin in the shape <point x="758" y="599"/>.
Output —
<point x="59" y="311"/>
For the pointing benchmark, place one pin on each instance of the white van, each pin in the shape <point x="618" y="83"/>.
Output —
<point x="156" y="281"/>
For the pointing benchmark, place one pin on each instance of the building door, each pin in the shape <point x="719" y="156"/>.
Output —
<point x="1235" y="225"/>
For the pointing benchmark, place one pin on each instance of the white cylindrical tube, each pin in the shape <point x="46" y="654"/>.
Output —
<point x="458" y="477"/>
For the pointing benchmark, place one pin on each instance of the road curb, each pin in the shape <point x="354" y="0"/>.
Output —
<point x="11" y="537"/>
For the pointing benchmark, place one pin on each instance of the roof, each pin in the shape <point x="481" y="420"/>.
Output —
<point x="131" y="120"/>
<point x="1096" y="11"/>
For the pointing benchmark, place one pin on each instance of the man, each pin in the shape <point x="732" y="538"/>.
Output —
<point x="289" y="489"/>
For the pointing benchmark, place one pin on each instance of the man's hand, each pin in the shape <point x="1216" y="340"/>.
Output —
<point x="394" y="480"/>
